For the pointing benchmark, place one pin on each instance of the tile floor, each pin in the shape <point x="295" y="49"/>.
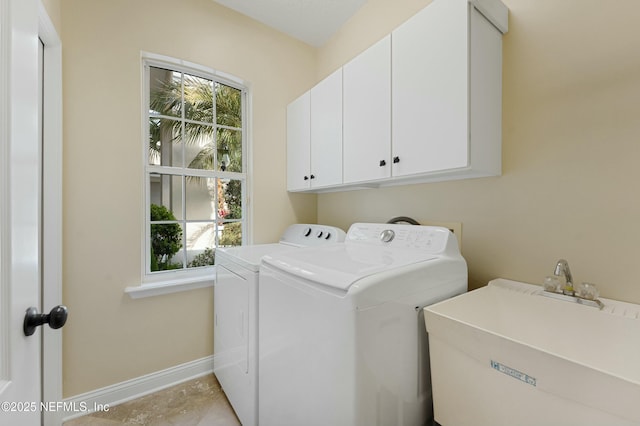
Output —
<point x="198" y="402"/>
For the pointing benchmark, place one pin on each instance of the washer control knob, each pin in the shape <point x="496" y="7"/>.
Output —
<point x="387" y="235"/>
<point x="319" y="234"/>
<point x="307" y="232"/>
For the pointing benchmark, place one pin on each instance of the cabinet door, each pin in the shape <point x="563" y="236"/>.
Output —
<point x="430" y="90"/>
<point x="326" y="131"/>
<point x="298" y="143"/>
<point x="367" y="114"/>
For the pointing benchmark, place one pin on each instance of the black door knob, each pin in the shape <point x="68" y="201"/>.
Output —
<point x="396" y="160"/>
<point x="383" y="163"/>
<point x="306" y="178"/>
<point x="312" y="177"/>
<point x="56" y="319"/>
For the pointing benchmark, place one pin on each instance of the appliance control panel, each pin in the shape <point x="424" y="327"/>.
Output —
<point x="311" y="235"/>
<point x="434" y="239"/>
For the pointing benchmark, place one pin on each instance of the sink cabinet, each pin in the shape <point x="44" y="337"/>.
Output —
<point x="423" y="104"/>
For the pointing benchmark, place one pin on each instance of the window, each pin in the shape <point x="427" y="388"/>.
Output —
<point x="195" y="166"/>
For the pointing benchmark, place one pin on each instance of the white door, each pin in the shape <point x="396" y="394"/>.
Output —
<point x="21" y="177"/>
<point x="20" y="373"/>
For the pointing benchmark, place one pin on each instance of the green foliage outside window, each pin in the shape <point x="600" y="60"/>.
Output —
<point x="166" y="239"/>
<point x="214" y="114"/>
<point x="198" y="103"/>
<point x="205" y="258"/>
<point x="231" y="234"/>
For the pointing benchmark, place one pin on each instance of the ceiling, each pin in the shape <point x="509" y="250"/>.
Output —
<point x="311" y="21"/>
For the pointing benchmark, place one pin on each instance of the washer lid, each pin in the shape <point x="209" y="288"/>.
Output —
<point x="341" y="265"/>
<point x="249" y="257"/>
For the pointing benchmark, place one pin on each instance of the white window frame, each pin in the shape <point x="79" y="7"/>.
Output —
<point x="162" y="282"/>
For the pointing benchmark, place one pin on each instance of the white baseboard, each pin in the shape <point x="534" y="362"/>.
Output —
<point x="131" y="389"/>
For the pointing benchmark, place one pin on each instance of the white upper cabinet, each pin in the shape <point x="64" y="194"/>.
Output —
<point x="447" y="90"/>
<point x="314" y="136"/>
<point x="367" y="114"/>
<point x="430" y="90"/>
<point x="424" y="104"/>
<point x="299" y="143"/>
<point x="326" y="131"/>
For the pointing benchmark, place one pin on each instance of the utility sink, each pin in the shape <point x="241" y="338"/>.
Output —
<point x="504" y="355"/>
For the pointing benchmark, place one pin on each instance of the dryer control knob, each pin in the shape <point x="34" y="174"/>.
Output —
<point x="387" y="235"/>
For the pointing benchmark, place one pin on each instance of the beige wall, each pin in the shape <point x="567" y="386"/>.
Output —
<point x="374" y="20"/>
<point x="53" y="10"/>
<point x="109" y="337"/>
<point x="569" y="189"/>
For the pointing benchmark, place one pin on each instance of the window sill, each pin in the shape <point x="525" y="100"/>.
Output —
<point x="168" y="287"/>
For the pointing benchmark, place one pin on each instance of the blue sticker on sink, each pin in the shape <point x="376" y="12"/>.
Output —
<point x="513" y="373"/>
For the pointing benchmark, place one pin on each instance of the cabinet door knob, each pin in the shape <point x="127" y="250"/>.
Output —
<point x="306" y="178"/>
<point x="383" y="163"/>
<point x="313" y="177"/>
<point x="396" y="160"/>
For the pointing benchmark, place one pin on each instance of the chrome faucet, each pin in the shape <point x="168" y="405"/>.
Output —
<point x="562" y="269"/>
<point x="586" y="294"/>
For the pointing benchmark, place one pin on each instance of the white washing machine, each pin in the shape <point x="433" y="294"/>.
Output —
<point x="341" y="334"/>
<point x="236" y="317"/>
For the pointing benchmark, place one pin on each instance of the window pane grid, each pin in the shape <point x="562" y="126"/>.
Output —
<point x="220" y="126"/>
<point x="193" y="173"/>
<point x="153" y="114"/>
<point x="202" y="123"/>
<point x="202" y="147"/>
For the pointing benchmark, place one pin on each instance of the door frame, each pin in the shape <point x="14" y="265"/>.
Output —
<point x="20" y="249"/>
<point x="51" y="222"/>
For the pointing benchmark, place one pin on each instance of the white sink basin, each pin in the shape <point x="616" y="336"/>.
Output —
<point x="504" y="355"/>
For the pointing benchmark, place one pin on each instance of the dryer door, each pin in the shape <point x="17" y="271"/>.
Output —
<point x="230" y="337"/>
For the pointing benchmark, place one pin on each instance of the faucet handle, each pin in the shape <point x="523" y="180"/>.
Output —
<point x="588" y="291"/>
<point x="552" y="284"/>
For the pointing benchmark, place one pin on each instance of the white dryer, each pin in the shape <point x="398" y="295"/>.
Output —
<point x="236" y="317"/>
<point x="341" y="334"/>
